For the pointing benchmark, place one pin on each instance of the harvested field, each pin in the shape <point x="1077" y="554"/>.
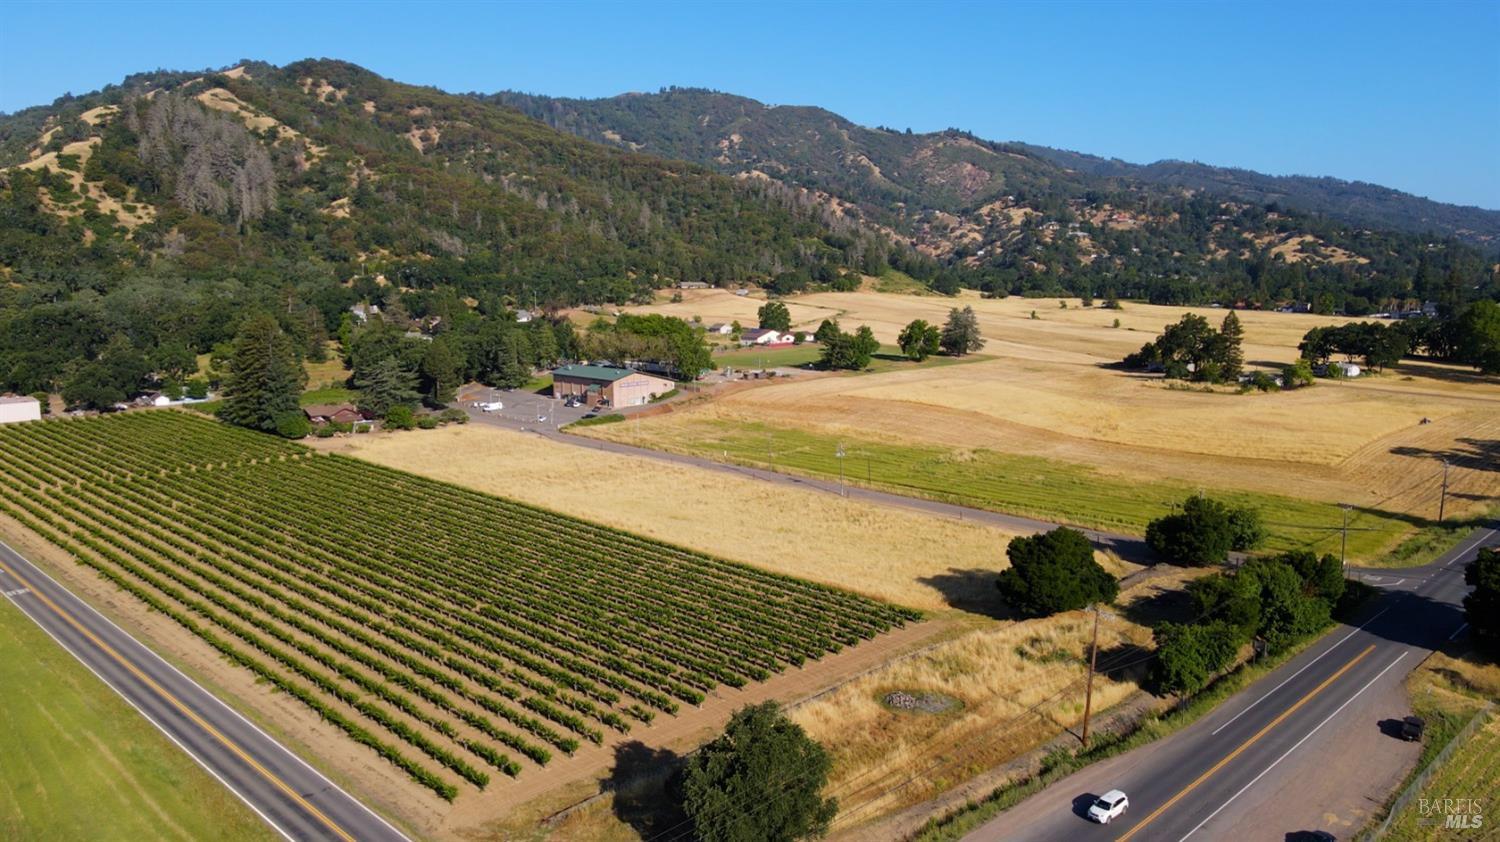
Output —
<point x="451" y="632"/>
<point x="861" y="547"/>
<point x="1047" y="394"/>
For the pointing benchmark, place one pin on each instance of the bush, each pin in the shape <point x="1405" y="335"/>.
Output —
<point x="1054" y="572"/>
<point x="428" y="422"/>
<point x="400" y="417"/>
<point x="762" y="761"/>
<point x="1187" y="656"/>
<point x="454" y="416"/>
<point x="1204" y="532"/>
<point x="324" y="432"/>
<point x="293" y="425"/>
<point x="45" y="400"/>
<point x="196" y="388"/>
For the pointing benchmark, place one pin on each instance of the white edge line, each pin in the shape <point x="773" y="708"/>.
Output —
<point x="1477" y="541"/>
<point x="1299" y="743"/>
<point x="157" y="725"/>
<point x="1341" y="642"/>
<point x="220" y="702"/>
<point x="1458" y="631"/>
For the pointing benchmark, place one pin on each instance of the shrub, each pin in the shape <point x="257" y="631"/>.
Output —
<point x="324" y="432"/>
<point x="196" y="388"/>
<point x="293" y="425"/>
<point x="1187" y="656"/>
<point x="45" y="400"/>
<point x="1054" y="572"/>
<point x="428" y="422"/>
<point x="454" y="416"/>
<point x="762" y="760"/>
<point x="400" y="417"/>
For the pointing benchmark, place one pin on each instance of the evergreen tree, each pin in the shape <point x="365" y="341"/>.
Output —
<point x="1231" y="354"/>
<point x="827" y="331"/>
<point x="1053" y="572"/>
<point x="265" y="377"/>
<point x="760" y="781"/>
<point x="961" y="332"/>
<point x="440" y="373"/>
<point x="386" y="385"/>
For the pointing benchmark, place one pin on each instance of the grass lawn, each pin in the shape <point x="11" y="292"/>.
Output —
<point x="327" y="394"/>
<point x="1034" y="486"/>
<point x="79" y="763"/>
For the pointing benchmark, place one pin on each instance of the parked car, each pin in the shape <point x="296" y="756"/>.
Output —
<point x="1110" y="805"/>
<point x="1412" y="727"/>
<point x="491" y="406"/>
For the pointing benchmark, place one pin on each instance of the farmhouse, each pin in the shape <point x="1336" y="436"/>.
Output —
<point x="336" y="413"/>
<point x="764" y="337"/>
<point x="19" y="408"/>
<point x="608" y="385"/>
<point x="722" y="329"/>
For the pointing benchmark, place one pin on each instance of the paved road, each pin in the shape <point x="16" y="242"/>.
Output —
<point x="1252" y="768"/>
<point x="290" y="795"/>
<point x="1129" y="547"/>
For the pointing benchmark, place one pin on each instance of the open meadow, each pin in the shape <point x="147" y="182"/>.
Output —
<point x="1101" y="446"/>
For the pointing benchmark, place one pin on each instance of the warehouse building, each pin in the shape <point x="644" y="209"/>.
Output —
<point x="19" y="408"/>
<point x="608" y="385"/>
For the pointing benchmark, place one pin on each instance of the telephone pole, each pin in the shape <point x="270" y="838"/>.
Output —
<point x="1443" y="500"/>
<point x="1344" y="543"/>
<point x="1088" y="694"/>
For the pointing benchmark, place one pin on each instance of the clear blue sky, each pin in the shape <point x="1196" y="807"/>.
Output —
<point x="1401" y="94"/>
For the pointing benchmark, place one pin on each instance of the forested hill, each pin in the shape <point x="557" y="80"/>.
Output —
<point x="954" y="171"/>
<point x="322" y="171"/>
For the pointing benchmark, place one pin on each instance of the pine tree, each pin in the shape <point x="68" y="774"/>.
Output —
<point x="440" y="373"/>
<point x="265" y="377"/>
<point x="386" y="385"/>
<point x="961" y="332"/>
<point x="1232" y="356"/>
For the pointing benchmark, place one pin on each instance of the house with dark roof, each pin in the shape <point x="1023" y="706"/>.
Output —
<point x="608" y="385"/>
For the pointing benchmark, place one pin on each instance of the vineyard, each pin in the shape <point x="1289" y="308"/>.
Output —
<point x="453" y="633"/>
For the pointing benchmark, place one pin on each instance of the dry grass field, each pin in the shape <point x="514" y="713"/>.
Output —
<point x="1047" y="393"/>
<point x="862" y="547"/>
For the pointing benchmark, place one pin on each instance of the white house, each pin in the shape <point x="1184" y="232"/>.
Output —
<point x="524" y="316"/>
<point x="721" y="329"/>
<point x="764" y="336"/>
<point x="362" y="312"/>
<point x="19" y="408"/>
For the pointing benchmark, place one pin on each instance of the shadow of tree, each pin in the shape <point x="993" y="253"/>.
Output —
<point x="1470" y="454"/>
<point x="971" y="590"/>
<point x="641" y="782"/>
<point x="1161" y="604"/>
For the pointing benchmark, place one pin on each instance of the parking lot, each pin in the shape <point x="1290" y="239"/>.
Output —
<point x="522" y="409"/>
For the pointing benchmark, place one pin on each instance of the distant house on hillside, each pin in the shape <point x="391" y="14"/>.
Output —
<point x="608" y="385"/>
<point x="692" y="285"/>
<point x="362" y="311"/>
<point x="722" y="329"/>
<point x="763" y="337"/>
<point x="524" y="316"/>
<point x="17" y="408"/>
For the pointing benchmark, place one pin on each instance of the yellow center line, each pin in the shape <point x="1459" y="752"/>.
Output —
<point x="197" y="720"/>
<point x="1237" y="752"/>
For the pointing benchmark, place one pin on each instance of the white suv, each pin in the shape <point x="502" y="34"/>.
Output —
<point x="1110" y="805"/>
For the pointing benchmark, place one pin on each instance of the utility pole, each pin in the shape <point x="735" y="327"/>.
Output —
<point x="1344" y="544"/>
<point x="1088" y="694"/>
<point x="839" y="454"/>
<point x="1443" y="500"/>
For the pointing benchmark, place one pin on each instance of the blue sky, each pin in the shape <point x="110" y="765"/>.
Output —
<point x="1401" y="94"/>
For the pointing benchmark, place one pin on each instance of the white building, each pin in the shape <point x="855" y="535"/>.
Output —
<point x="19" y="408"/>
<point x="722" y="329"/>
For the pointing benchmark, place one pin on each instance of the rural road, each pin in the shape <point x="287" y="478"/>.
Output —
<point x="1302" y="749"/>
<point x="1128" y="547"/>
<point x="288" y="794"/>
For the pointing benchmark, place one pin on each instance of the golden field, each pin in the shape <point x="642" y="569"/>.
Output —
<point x="1047" y="393"/>
<point x="874" y="550"/>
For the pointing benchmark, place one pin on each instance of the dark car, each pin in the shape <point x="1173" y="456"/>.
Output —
<point x="1411" y="728"/>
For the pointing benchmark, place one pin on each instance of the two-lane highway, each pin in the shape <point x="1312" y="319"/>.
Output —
<point x="291" y="796"/>
<point x="1276" y="758"/>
